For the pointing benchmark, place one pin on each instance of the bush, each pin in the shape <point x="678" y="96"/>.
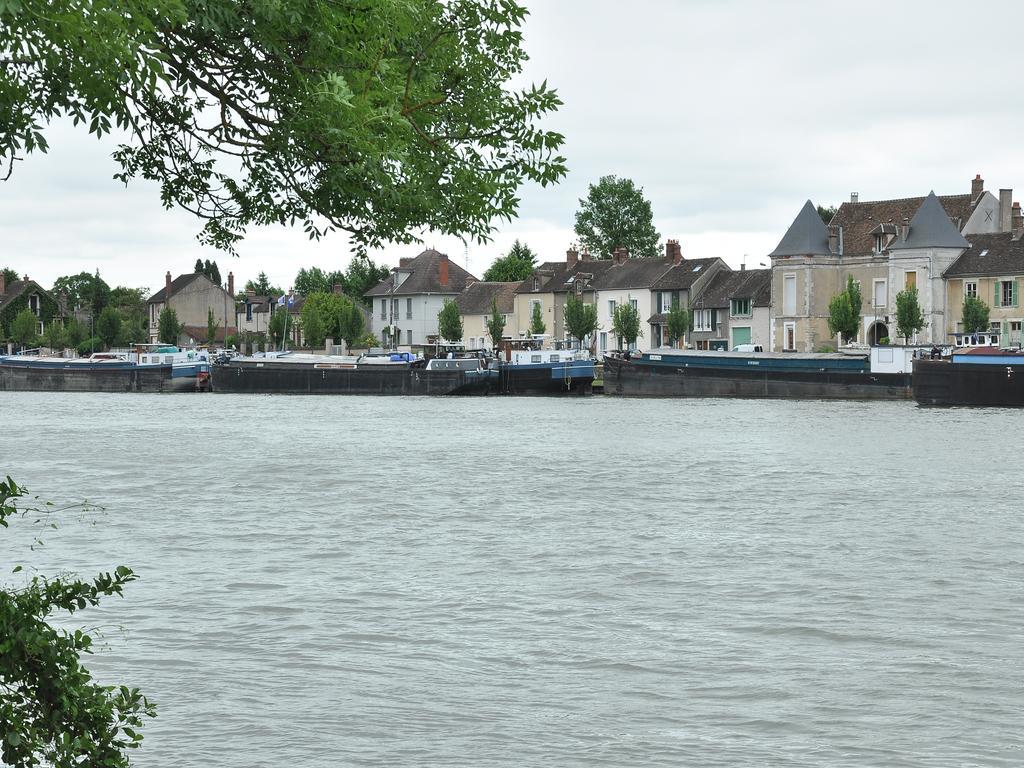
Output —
<point x="87" y="347"/>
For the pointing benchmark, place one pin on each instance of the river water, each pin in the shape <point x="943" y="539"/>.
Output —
<point x="543" y="582"/>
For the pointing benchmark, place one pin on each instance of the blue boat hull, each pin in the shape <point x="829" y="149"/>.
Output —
<point x="29" y="377"/>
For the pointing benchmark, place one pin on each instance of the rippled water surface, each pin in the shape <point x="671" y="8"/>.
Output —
<point x="540" y="582"/>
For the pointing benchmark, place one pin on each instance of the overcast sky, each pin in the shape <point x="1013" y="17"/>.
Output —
<point x="729" y="113"/>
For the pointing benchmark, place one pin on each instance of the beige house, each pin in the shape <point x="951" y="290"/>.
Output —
<point x="549" y="287"/>
<point x="476" y="305"/>
<point x="991" y="269"/>
<point x="192" y="296"/>
<point x="885" y="246"/>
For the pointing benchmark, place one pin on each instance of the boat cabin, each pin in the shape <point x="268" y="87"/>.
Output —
<point x="982" y="339"/>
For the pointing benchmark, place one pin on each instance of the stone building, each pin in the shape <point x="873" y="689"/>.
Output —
<point x="192" y="296"/>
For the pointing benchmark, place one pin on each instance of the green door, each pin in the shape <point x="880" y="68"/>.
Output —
<point x="740" y="336"/>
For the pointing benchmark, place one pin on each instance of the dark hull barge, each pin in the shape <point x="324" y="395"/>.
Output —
<point x="572" y="377"/>
<point x="28" y="374"/>
<point x="980" y="378"/>
<point x="757" y="375"/>
<point x="300" y="377"/>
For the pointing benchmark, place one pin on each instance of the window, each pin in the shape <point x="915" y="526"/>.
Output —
<point x="611" y="307"/>
<point x="789" y="295"/>
<point x="970" y="290"/>
<point x="880" y="295"/>
<point x="995" y="327"/>
<point x="394" y="309"/>
<point x="408" y="309"/>
<point x="535" y="358"/>
<point x="910" y="280"/>
<point x="383" y="309"/>
<point x="632" y="303"/>
<point x="704" y="344"/>
<point x="714" y="319"/>
<point x="1015" y="327"/>
<point x="604" y="341"/>
<point x="1006" y="293"/>
<point x="789" y="336"/>
<point x="33" y="303"/>
<point x="408" y="337"/>
<point x="702" y="319"/>
<point x="553" y="359"/>
<point x="536" y="283"/>
<point x="248" y="312"/>
<point x="579" y="287"/>
<point x="739" y="307"/>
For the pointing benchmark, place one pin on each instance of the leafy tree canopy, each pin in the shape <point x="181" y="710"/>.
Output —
<point x="580" y="318"/>
<point x="168" y="327"/>
<point x="537" y="324"/>
<point x="844" y="311"/>
<point x="626" y="323"/>
<point x="496" y="324"/>
<point x="208" y="268"/>
<point x="84" y="290"/>
<point x="449" y="322"/>
<point x="679" y="322"/>
<point x="108" y="325"/>
<point x="52" y="712"/>
<point x="909" y="318"/>
<point x="24" y="328"/>
<point x="615" y="214"/>
<point x="315" y="280"/>
<point x="361" y="275"/>
<point x="378" y="119"/>
<point x="514" y="266"/>
<point x="261" y="286"/>
<point x="826" y="212"/>
<point x="975" y="315"/>
<point x="10" y="276"/>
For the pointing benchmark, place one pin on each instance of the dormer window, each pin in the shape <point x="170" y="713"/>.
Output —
<point x="879" y="243"/>
<point x="579" y="287"/>
<point x="33" y="304"/>
<point x="536" y="283"/>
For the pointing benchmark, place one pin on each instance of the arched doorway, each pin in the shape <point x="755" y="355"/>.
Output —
<point x="877" y="332"/>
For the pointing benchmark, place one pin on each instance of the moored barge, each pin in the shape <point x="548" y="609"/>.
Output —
<point x="394" y="374"/>
<point x="982" y="376"/>
<point x="100" y="373"/>
<point x="685" y="373"/>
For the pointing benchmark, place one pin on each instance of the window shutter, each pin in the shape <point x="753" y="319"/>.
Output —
<point x="995" y="301"/>
<point x="1015" y="293"/>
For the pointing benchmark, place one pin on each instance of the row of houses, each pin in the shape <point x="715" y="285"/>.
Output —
<point x="730" y="307"/>
<point x="947" y="247"/>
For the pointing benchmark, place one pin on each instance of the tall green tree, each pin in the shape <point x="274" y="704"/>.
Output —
<point x="279" y="328"/>
<point x="909" y="318"/>
<point x="25" y="328"/>
<point x="361" y="275"/>
<point x="54" y="336"/>
<point x="537" y="324"/>
<point x="626" y="324"/>
<point x="496" y="324"/>
<point x="514" y="266"/>
<point x="108" y="326"/>
<point x="580" y="318"/>
<point x="351" y="323"/>
<point x="314" y="327"/>
<point x="168" y="328"/>
<point x="449" y="322"/>
<point x="844" y="311"/>
<point x="10" y="276"/>
<point x="84" y="290"/>
<point x="199" y="269"/>
<point x="131" y="303"/>
<point x="380" y="119"/>
<point x="826" y="212"/>
<point x="615" y="214"/>
<point x="315" y="280"/>
<point x="974" y="314"/>
<point x="52" y="712"/>
<point x="679" y="323"/>
<point x="261" y="286"/>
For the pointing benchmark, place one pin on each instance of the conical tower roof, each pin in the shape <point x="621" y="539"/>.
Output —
<point x="931" y="227"/>
<point x="806" y="236"/>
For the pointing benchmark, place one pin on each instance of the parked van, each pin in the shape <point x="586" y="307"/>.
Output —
<point x="748" y="348"/>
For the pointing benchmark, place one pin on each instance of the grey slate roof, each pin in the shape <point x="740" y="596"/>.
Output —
<point x="683" y="276"/>
<point x="931" y="228"/>
<point x="176" y="285"/>
<point x="424" y="277"/>
<point x="477" y="298"/>
<point x="753" y="284"/>
<point x="556" y="276"/>
<point x="633" y="273"/>
<point x="861" y="221"/>
<point x="992" y="255"/>
<point x="806" y="236"/>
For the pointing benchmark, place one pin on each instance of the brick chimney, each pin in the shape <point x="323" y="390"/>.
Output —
<point x="855" y="197"/>
<point x="404" y="262"/>
<point x="1016" y="221"/>
<point x="572" y="258"/>
<point x="904" y="229"/>
<point x="442" y="270"/>
<point x="674" y="252"/>
<point x="835" y="239"/>
<point x="585" y="256"/>
<point x="250" y="294"/>
<point x="167" y="286"/>
<point x="977" y="187"/>
<point x="231" y="283"/>
<point x="338" y="289"/>
<point x="3" y="284"/>
<point x="1005" y="208"/>
<point x="620" y="255"/>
